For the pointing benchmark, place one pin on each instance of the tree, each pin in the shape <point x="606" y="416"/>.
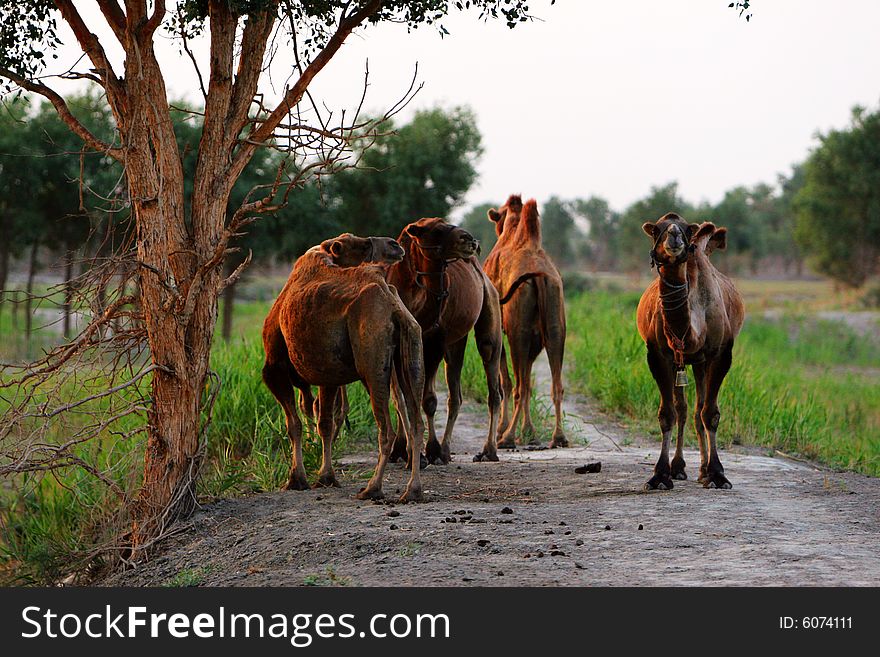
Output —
<point x="477" y="223"/>
<point x="604" y="231"/>
<point x="184" y="228"/>
<point x="560" y="234"/>
<point x="838" y="208"/>
<point x="424" y="170"/>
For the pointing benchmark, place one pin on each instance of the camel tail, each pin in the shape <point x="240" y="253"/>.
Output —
<point x="410" y="370"/>
<point x="517" y="283"/>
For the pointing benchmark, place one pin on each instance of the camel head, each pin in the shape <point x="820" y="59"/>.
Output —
<point x="507" y="216"/>
<point x="439" y="240"/>
<point x="672" y="237"/>
<point x="349" y="250"/>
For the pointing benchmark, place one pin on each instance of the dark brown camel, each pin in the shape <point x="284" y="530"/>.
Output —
<point x="533" y="311"/>
<point x="442" y="284"/>
<point x="690" y="315"/>
<point x="340" y="325"/>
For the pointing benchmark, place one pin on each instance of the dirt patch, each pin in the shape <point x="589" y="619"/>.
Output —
<point x="532" y="520"/>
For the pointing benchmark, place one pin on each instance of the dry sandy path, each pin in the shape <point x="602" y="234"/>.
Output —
<point x="784" y="523"/>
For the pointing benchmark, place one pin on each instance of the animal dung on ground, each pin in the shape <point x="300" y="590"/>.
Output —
<point x="507" y="509"/>
<point x="393" y="514"/>
<point x="641" y="527"/>
<point x="589" y="467"/>
<point x="483" y="542"/>
<point x="607" y="527"/>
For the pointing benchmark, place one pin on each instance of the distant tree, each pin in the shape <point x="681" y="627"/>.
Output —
<point x="424" y="170"/>
<point x="601" y="246"/>
<point x="559" y="232"/>
<point x="838" y="208"/>
<point x="477" y="223"/>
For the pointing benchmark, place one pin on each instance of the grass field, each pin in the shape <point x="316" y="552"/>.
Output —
<point x="798" y="384"/>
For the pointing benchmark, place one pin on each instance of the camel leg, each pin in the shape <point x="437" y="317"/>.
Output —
<point x="326" y="409"/>
<point x="399" y="435"/>
<point x="277" y="379"/>
<point x="340" y="411"/>
<point x="379" y="396"/>
<point x="700" y="382"/>
<point x="518" y="356"/>
<point x="507" y="388"/>
<point x="490" y="344"/>
<point x="663" y="375"/>
<point x="555" y="347"/>
<point x="433" y="356"/>
<point x="528" y="435"/>
<point x="681" y="409"/>
<point x="711" y="416"/>
<point x="454" y="362"/>
<point x="409" y="418"/>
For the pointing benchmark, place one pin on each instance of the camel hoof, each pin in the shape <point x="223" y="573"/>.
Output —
<point x="717" y="480"/>
<point x="411" y="494"/>
<point x="326" y="481"/>
<point x="423" y="462"/>
<point x="506" y="443"/>
<point x="370" y="494"/>
<point x="659" y="482"/>
<point x="398" y="452"/>
<point x="558" y="441"/>
<point x="296" y="483"/>
<point x="483" y="456"/>
<point x="677" y="467"/>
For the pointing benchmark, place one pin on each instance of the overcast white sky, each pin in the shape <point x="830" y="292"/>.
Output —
<point x="610" y="98"/>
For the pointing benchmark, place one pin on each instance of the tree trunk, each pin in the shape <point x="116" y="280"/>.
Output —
<point x="29" y="289"/>
<point x="68" y="293"/>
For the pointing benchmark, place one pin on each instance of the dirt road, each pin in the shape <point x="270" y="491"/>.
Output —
<point x="531" y="520"/>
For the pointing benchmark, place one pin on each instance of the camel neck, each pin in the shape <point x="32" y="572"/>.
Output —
<point x="674" y="295"/>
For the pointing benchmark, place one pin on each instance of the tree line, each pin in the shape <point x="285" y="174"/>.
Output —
<point x="61" y="205"/>
<point x="823" y="215"/>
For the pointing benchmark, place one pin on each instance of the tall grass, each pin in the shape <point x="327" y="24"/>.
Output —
<point x="797" y="385"/>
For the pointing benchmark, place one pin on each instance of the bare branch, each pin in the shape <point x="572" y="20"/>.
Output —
<point x="64" y="113"/>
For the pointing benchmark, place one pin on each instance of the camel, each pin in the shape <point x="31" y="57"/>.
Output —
<point x="345" y="250"/>
<point x="339" y="325"/>
<point x="442" y="284"/>
<point x="689" y="315"/>
<point x="533" y="311"/>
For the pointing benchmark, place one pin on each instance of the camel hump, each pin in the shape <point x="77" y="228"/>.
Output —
<point x="529" y="229"/>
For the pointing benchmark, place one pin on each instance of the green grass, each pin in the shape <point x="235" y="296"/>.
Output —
<point x="796" y="385"/>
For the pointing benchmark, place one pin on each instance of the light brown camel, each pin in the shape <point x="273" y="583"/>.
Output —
<point x="340" y="325"/>
<point x="533" y="311"/>
<point x="690" y="315"/>
<point x="345" y="250"/>
<point x="442" y="284"/>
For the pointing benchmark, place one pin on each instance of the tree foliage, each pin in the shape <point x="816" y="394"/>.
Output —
<point x="838" y="208"/>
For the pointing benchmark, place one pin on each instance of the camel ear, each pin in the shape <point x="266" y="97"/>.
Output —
<point x="494" y="215"/>
<point x="415" y="231"/>
<point x="335" y="248"/>
<point x="692" y="230"/>
<point x="717" y="241"/>
<point x="650" y="229"/>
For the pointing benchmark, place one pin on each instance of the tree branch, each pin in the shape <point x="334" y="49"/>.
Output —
<point x="64" y="113"/>
<point x="254" y="42"/>
<point x="295" y="93"/>
<point x="115" y="17"/>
